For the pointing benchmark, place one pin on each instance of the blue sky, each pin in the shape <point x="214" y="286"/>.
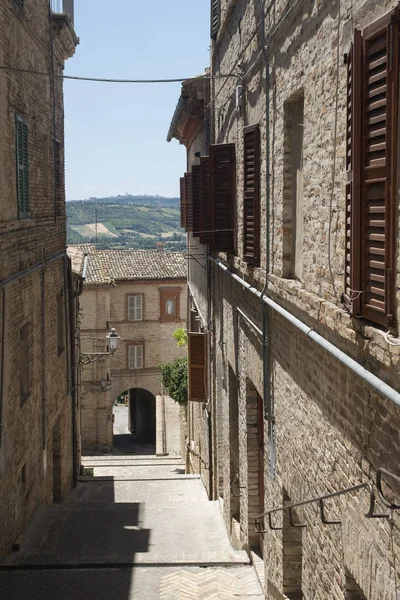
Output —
<point x="116" y="133"/>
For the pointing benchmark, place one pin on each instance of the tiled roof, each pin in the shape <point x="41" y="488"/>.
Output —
<point x="77" y="256"/>
<point x="106" y="266"/>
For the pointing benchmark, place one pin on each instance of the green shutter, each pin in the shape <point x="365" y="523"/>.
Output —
<point x="22" y="166"/>
<point x="215" y="17"/>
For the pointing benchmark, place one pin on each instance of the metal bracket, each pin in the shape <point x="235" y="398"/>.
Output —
<point x="86" y="359"/>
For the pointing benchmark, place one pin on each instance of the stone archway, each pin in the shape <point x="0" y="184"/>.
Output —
<point x="134" y="423"/>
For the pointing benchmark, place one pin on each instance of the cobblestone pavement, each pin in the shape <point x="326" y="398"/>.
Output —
<point x="138" y="529"/>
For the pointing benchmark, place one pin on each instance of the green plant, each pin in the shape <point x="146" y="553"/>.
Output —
<point x="174" y="377"/>
<point x="181" y="337"/>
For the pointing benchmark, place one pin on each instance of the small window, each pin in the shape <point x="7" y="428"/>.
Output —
<point x="136" y="356"/>
<point x="60" y="323"/>
<point x="135" y="307"/>
<point x="24" y="362"/>
<point x="169" y="309"/>
<point x="22" y="166"/>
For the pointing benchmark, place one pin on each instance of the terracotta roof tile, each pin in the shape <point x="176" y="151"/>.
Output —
<point x="106" y="266"/>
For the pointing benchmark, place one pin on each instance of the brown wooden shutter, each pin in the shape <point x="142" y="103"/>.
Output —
<point x="205" y="208"/>
<point x="197" y="367"/>
<point x="183" y="201"/>
<point x="223" y="192"/>
<point x="251" y="195"/>
<point x="378" y="181"/>
<point x="352" y="294"/>
<point x="196" y="199"/>
<point x="189" y="201"/>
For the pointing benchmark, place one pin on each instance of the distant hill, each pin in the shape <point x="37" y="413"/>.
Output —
<point x="136" y="222"/>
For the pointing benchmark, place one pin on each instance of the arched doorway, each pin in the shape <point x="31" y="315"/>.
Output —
<point x="134" y="422"/>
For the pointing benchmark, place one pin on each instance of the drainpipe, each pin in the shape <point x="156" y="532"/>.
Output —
<point x="3" y="336"/>
<point x="377" y="384"/>
<point x="268" y="399"/>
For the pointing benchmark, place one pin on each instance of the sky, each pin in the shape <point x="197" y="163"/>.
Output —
<point x="115" y="134"/>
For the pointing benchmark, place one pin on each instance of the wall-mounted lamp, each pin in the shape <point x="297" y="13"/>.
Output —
<point x="113" y="342"/>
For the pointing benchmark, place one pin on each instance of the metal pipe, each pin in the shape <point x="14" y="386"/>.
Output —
<point x="377" y="384"/>
<point x="249" y="321"/>
<point x="30" y="270"/>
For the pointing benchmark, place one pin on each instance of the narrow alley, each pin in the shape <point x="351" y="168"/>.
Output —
<point x="138" y="527"/>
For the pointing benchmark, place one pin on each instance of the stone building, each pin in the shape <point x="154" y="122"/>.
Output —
<point x="38" y="400"/>
<point x="299" y="197"/>
<point x="142" y="294"/>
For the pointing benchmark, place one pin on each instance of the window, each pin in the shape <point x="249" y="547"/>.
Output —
<point x="21" y="150"/>
<point x="215" y="18"/>
<point x="60" y="323"/>
<point x="371" y="162"/>
<point x="24" y="334"/>
<point x="197" y="367"/>
<point x="170" y="301"/>
<point x="293" y="220"/>
<point x="251" y="195"/>
<point x="135" y="307"/>
<point x="223" y="197"/>
<point x="135" y="356"/>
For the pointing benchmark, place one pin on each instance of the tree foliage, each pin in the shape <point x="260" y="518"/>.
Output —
<point x="181" y="337"/>
<point x="174" y="377"/>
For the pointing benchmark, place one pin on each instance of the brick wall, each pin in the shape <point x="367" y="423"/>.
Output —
<point x="28" y="456"/>
<point x="104" y="307"/>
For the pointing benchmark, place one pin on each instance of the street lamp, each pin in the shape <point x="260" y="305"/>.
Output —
<point x="113" y="342"/>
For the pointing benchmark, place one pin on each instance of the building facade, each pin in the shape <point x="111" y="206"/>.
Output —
<point x="38" y="401"/>
<point x="142" y="294"/>
<point x="300" y="227"/>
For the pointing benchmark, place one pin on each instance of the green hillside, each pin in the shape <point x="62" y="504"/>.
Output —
<point x="135" y="222"/>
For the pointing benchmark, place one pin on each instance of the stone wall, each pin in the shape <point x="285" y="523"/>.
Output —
<point x="332" y="430"/>
<point x="36" y="428"/>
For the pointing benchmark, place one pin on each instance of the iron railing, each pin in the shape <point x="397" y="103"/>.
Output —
<point x="63" y="7"/>
<point x="374" y="489"/>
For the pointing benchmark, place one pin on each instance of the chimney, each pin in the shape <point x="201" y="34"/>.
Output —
<point x="160" y="246"/>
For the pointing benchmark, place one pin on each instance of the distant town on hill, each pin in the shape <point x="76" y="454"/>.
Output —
<point x="126" y="222"/>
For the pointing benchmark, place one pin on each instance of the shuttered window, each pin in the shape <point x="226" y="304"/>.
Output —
<point x="135" y="356"/>
<point x="135" y="307"/>
<point x="183" y="201"/>
<point x="223" y="197"/>
<point x="189" y="201"/>
<point x="197" y="367"/>
<point x="196" y="199"/>
<point x="371" y="187"/>
<point x="22" y="166"/>
<point x="205" y="208"/>
<point x="215" y="18"/>
<point x="251" y="195"/>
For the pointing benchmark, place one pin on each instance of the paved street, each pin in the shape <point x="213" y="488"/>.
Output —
<point x="140" y="528"/>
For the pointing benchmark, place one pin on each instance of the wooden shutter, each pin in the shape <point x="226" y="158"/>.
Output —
<point x="197" y="367"/>
<point x="251" y="195"/>
<point x="189" y="201"/>
<point x="196" y="199"/>
<point x="205" y="208"/>
<point x="135" y="357"/>
<point x="215" y="18"/>
<point x="378" y="180"/>
<point x="222" y="192"/>
<point x="352" y="296"/>
<point x="135" y="304"/>
<point x="183" y="201"/>
<point x="22" y="167"/>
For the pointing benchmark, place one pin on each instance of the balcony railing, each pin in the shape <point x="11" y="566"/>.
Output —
<point x="63" y="7"/>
